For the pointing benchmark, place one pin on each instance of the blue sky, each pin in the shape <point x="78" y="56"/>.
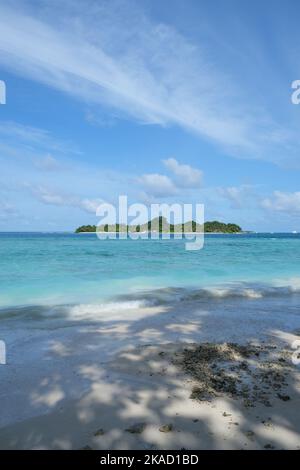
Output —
<point x="164" y="101"/>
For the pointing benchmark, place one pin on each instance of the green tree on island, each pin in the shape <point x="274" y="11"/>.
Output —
<point x="161" y="225"/>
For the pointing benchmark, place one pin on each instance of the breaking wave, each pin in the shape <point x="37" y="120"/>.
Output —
<point x="222" y="292"/>
<point x="128" y="306"/>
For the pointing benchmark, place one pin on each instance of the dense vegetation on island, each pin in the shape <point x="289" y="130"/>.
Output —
<point x="161" y="225"/>
<point x="220" y="227"/>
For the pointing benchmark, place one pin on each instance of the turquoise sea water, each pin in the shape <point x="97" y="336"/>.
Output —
<point x="57" y="269"/>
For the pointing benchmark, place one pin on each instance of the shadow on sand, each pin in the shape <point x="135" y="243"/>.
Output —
<point x="115" y="384"/>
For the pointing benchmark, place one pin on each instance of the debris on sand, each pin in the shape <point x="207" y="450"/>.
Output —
<point x="283" y="397"/>
<point x="250" y="435"/>
<point x="136" y="428"/>
<point x="248" y="372"/>
<point x="268" y="423"/>
<point x="166" y="428"/>
<point x="269" y="447"/>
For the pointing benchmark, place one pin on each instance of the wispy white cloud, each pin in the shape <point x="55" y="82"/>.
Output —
<point x="284" y="202"/>
<point x="48" y="163"/>
<point x="237" y="195"/>
<point x="183" y="178"/>
<point x="59" y="198"/>
<point x="110" y="54"/>
<point x="157" y="185"/>
<point x="185" y="175"/>
<point x="34" y="147"/>
<point x="33" y="137"/>
<point x="7" y="210"/>
<point x="88" y="205"/>
<point x="24" y="133"/>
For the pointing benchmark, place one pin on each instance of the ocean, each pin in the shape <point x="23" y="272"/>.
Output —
<point x="62" y="269"/>
<point x="70" y="304"/>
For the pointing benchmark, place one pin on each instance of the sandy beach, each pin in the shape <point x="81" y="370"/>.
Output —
<point x="174" y="376"/>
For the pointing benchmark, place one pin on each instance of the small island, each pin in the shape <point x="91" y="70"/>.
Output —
<point x="161" y="225"/>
